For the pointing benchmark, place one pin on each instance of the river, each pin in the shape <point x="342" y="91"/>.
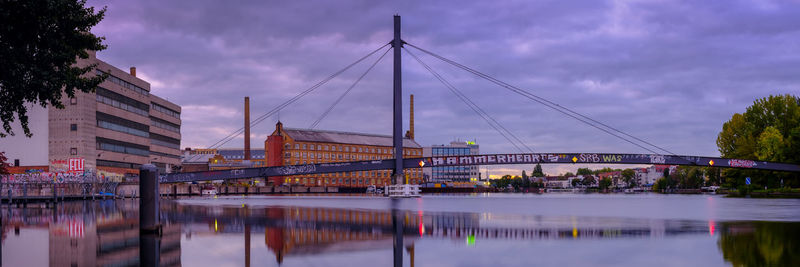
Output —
<point x="437" y="230"/>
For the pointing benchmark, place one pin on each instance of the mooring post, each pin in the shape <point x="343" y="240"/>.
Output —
<point x="149" y="221"/>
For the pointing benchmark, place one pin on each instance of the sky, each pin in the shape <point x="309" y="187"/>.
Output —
<point x="668" y="72"/>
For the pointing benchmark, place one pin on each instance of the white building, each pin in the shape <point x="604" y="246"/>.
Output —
<point x="452" y="173"/>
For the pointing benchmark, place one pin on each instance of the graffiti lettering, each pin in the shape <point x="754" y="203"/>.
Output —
<point x="612" y="158"/>
<point x="588" y="158"/>
<point x="742" y="163"/>
<point x="296" y="169"/>
<point x="659" y="159"/>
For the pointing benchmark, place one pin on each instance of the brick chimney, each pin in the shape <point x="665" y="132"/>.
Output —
<point x="133" y="71"/>
<point x="410" y="132"/>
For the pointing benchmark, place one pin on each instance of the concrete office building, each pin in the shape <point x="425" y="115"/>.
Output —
<point x="112" y="131"/>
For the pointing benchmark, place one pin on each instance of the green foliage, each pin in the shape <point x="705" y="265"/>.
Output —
<point x="575" y="182"/>
<point x="768" y="130"/>
<point x="606" y="169"/>
<point x="605" y="183"/>
<point x="40" y="41"/>
<point x="537" y="171"/>
<point x="760" y="243"/>
<point x="588" y="180"/>
<point x="568" y="174"/>
<point x="585" y="171"/>
<point x="629" y="176"/>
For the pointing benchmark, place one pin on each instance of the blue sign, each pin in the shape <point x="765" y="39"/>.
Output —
<point x="747" y="181"/>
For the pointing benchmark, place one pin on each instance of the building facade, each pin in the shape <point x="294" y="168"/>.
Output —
<point x="287" y="146"/>
<point x="453" y="173"/>
<point x="111" y="131"/>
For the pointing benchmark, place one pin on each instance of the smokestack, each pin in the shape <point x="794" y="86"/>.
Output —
<point x="133" y="71"/>
<point x="246" y="128"/>
<point x="411" y="118"/>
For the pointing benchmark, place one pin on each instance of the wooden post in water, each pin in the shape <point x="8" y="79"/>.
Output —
<point x="149" y="221"/>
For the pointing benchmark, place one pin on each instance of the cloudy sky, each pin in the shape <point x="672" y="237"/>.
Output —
<point x="668" y="72"/>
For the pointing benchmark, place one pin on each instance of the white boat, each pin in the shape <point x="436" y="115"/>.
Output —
<point x="208" y="191"/>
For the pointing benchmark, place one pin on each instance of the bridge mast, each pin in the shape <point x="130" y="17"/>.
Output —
<point x="397" y="135"/>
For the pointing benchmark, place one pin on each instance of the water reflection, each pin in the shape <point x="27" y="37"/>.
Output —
<point x="106" y="233"/>
<point x="760" y="243"/>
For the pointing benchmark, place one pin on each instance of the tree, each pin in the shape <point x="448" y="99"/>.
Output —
<point x="629" y="176"/>
<point x="537" y="171"/>
<point x="568" y="174"/>
<point x="588" y="180"/>
<point x="40" y="42"/>
<point x="604" y="183"/>
<point x="575" y="182"/>
<point x="585" y="171"/>
<point x="768" y="130"/>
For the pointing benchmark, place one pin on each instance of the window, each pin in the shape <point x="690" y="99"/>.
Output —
<point x="296" y="146"/>
<point x="73" y="151"/>
<point x="304" y="146"/>
<point x="287" y="146"/>
<point x="73" y="127"/>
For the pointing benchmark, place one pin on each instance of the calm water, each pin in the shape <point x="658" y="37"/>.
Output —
<point x="446" y="230"/>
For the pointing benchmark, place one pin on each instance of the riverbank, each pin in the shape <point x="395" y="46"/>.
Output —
<point x="769" y="193"/>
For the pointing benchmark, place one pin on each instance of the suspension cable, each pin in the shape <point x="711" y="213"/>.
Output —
<point x="488" y="118"/>
<point x="324" y="114"/>
<point x="548" y="103"/>
<point x="283" y="105"/>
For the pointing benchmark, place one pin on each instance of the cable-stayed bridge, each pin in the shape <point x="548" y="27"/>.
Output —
<point x="525" y="154"/>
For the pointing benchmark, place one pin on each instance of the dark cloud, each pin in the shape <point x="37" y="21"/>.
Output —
<point x="670" y="72"/>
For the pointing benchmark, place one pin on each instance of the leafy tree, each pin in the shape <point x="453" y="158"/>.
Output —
<point x="537" y="171"/>
<point x="585" y="171"/>
<point x="588" y="180"/>
<point x="605" y="183"/>
<point x="524" y="176"/>
<point x="40" y="42"/>
<point x="712" y="173"/>
<point x="575" y="182"/>
<point x="568" y="174"/>
<point x="3" y="163"/>
<point x="768" y="130"/>
<point x="629" y="176"/>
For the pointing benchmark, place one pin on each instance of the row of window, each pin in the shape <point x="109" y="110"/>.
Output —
<point x="123" y="83"/>
<point x="165" y="125"/>
<point x="310" y="155"/>
<point x="121" y="105"/>
<point x="154" y="153"/>
<point x="348" y="149"/>
<point x="334" y="181"/>
<point x="165" y="144"/>
<point x="120" y="128"/>
<point x="108" y="163"/>
<point x="449" y="151"/>
<point x="122" y="149"/>
<point x="380" y="174"/>
<point x="166" y="110"/>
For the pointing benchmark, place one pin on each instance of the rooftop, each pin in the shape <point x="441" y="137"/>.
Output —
<point x="327" y="136"/>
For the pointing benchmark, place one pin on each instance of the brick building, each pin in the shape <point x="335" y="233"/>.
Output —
<point x="288" y="146"/>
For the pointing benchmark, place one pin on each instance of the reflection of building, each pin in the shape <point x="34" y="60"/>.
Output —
<point x="453" y="173"/>
<point x="111" y="241"/>
<point x="287" y="146"/>
<point x="114" y="129"/>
